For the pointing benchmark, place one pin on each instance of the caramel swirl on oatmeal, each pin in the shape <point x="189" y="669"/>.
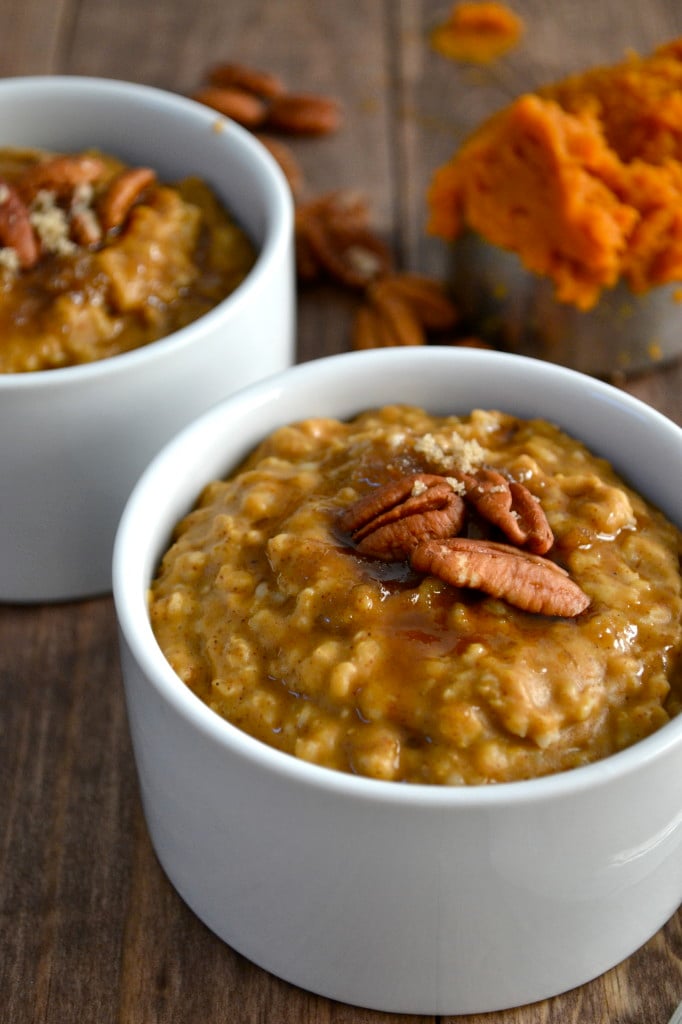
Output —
<point x="267" y="610"/>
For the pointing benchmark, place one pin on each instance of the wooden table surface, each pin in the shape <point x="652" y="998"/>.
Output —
<point x="90" y="929"/>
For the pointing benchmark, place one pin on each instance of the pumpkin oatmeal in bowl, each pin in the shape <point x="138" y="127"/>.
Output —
<point x="401" y="642"/>
<point x="99" y="258"/>
<point x="427" y="599"/>
<point x="146" y="272"/>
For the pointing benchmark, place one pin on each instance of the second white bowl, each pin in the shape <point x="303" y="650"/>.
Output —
<point x="403" y="898"/>
<point x="74" y="440"/>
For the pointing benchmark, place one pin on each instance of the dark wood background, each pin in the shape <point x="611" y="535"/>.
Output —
<point x="90" y="929"/>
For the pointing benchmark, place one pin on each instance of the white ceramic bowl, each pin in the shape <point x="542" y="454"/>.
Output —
<point x="73" y="441"/>
<point x="401" y="898"/>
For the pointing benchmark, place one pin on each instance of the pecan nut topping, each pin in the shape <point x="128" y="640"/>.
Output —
<point x="527" y="581"/>
<point x="389" y="522"/>
<point x="511" y="507"/>
<point x="418" y="518"/>
<point x="122" y="193"/>
<point x="60" y="175"/>
<point x="16" y="230"/>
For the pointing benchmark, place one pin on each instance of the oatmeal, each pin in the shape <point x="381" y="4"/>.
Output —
<point x="319" y="599"/>
<point x="97" y="258"/>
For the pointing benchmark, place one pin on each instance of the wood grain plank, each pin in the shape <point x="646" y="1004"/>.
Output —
<point x="70" y="785"/>
<point x="91" y="928"/>
<point x="34" y="35"/>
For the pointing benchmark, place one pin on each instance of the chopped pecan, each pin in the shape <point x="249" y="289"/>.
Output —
<point x="524" y="580"/>
<point x="370" y="329"/>
<point x="429" y="300"/>
<point x="398" y="316"/>
<point x="332" y="238"/>
<point x="60" y="175"/>
<point x="16" y="230"/>
<point x="406" y="307"/>
<point x="388" y="522"/>
<point x="511" y="507"/>
<point x="342" y="208"/>
<point x="260" y="83"/>
<point x="351" y="256"/>
<point x="123" y="191"/>
<point x="305" y="114"/>
<point x="239" y="105"/>
<point x="86" y="229"/>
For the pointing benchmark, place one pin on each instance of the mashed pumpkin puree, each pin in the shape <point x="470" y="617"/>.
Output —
<point x="97" y="258"/>
<point x="478" y="31"/>
<point x="582" y="179"/>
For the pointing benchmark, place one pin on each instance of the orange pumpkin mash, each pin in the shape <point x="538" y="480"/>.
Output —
<point x="582" y="179"/>
<point x="478" y="31"/>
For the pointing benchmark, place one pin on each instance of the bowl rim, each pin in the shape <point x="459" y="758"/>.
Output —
<point x="135" y="629"/>
<point x="278" y="204"/>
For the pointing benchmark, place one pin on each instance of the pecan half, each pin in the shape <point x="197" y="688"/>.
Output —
<point x="388" y="522"/>
<point x="339" y="208"/>
<point x="60" y="175"/>
<point x="429" y="300"/>
<point x="511" y="507"/>
<point x="522" y="579"/>
<point x="261" y="83"/>
<point x="352" y="256"/>
<point x="16" y="230"/>
<point x="239" y="105"/>
<point x="399" y="317"/>
<point x="402" y="309"/>
<point x="123" y="191"/>
<point x="305" y="114"/>
<point x="370" y="329"/>
<point x="333" y="239"/>
<point x="86" y="229"/>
